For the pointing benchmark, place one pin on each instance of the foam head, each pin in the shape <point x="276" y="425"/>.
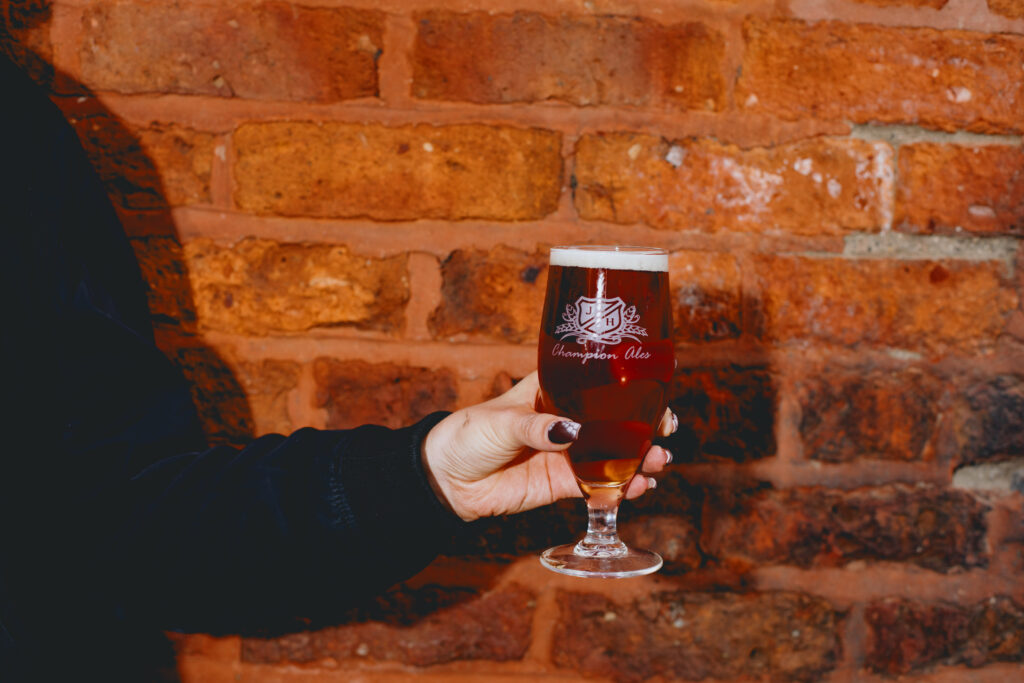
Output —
<point x="611" y="258"/>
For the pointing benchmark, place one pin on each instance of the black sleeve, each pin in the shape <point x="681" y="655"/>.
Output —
<point x="114" y="509"/>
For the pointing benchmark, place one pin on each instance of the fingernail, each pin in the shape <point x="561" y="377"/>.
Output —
<point x="675" y="423"/>
<point x="652" y="483"/>
<point x="565" y="431"/>
<point x="668" y="456"/>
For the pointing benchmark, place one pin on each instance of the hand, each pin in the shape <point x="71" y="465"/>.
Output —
<point x="499" y="458"/>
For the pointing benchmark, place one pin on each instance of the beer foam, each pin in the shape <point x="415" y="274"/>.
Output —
<point x="611" y="258"/>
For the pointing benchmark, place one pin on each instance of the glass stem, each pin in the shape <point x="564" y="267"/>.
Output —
<point x="602" y="539"/>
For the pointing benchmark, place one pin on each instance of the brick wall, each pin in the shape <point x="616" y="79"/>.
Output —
<point x="342" y="210"/>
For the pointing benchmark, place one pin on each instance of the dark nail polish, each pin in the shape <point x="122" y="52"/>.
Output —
<point x="565" y="431"/>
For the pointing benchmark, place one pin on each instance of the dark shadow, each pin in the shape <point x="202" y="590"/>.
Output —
<point x="136" y="190"/>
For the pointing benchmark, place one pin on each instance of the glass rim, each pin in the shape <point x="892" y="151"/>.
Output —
<point x="619" y="248"/>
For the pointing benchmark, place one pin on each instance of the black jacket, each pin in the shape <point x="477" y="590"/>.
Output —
<point x="116" y="518"/>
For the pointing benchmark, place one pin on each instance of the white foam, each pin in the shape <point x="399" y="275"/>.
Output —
<point x="611" y="258"/>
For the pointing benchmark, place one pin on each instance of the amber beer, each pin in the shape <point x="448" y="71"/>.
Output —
<point x="605" y="357"/>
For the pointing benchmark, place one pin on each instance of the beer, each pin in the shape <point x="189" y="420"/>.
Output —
<point x="606" y="358"/>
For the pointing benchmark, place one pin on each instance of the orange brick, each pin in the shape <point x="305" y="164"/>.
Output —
<point x="400" y="173"/>
<point x="153" y="167"/>
<point x="497" y="294"/>
<point x="1013" y="9"/>
<point x="918" y="305"/>
<point x="584" y="60"/>
<point x="707" y="296"/>
<point x="269" y="51"/>
<point x="262" y="287"/>
<point x="945" y="187"/>
<point x="815" y="187"/>
<point x="268" y="385"/>
<point x="830" y="70"/>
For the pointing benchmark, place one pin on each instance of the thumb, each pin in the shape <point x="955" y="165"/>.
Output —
<point x="544" y="432"/>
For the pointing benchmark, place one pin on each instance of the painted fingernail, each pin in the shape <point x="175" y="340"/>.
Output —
<point x="668" y="456"/>
<point x="675" y="423"/>
<point x="652" y="483"/>
<point x="565" y="431"/>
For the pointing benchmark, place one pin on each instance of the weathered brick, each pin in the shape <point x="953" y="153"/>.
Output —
<point x="584" y="60"/>
<point x="153" y="167"/>
<point x="270" y="51"/>
<point x="926" y="305"/>
<point x="355" y="392"/>
<point x="692" y="636"/>
<point x="676" y="539"/>
<point x="862" y="73"/>
<point x="268" y="385"/>
<point x="422" y="627"/>
<point x="400" y="173"/>
<point x="987" y="423"/>
<point x="821" y="186"/>
<point x="869" y="413"/>
<point x="168" y="291"/>
<point x="1013" y="9"/>
<point x="946" y="188"/>
<point x="724" y="413"/>
<point x="261" y="287"/>
<point x="219" y="398"/>
<point x="906" y="636"/>
<point x="708" y="297"/>
<point x="933" y="528"/>
<point x="497" y="294"/>
<point x="25" y="37"/>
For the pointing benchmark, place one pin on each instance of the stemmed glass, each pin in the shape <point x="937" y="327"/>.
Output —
<point x="605" y="360"/>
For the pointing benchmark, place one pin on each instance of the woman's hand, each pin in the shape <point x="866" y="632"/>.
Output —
<point x="503" y="457"/>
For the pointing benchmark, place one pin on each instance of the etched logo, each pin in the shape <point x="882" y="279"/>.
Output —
<point x="605" y="321"/>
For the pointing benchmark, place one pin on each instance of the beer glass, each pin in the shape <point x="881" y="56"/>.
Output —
<point x="605" y="360"/>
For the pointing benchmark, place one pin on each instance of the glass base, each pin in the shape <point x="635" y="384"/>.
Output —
<point x="620" y="564"/>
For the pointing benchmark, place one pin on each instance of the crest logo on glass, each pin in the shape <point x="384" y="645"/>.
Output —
<point x="605" y="321"/>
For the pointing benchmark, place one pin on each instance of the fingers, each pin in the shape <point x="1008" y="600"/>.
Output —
<point x="656" y="460"/>
<point x="544" y="432"/>
<point x="669" y="423"/>
<point x="640" y="485"/>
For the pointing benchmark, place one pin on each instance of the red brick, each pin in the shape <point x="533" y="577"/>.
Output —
<point x="986" y="421"/>
<point x="917" y="305"/>
<point x="821" y="186"/>
<point x="401" y="173"/>
<point x="355" y="392"/>
<point x="423" y="627"/>
<point x="1014" y="9"/>
<point x="870" y="413"/>
<point x="270" y="51"/>
<point x="153" y="167"/>
<point x="262" y="287"/>
<point x="25" y="37"/>
<point x="725" y="414"/>
<point x="692" y="636"/>
<point x="219" y="398"/>
<point x="497" y="294"/>
<point x="862" y="73"/>
<point x="938" y="529"/>
<point x="906" y="636"/>
<point x="708" y="297"/>
<point x="945" y="188"/>
<point x="583" y="60"/>
<point x="168" y="290"/>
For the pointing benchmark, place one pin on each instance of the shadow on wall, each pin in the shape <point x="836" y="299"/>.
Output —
<point x="135" y="188"/>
